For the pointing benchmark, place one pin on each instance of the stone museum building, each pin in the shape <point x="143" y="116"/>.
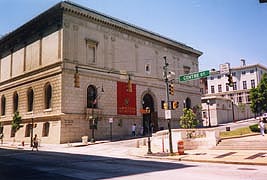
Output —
<point x="72" y="72"/>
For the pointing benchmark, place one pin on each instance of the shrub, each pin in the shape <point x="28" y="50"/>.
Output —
<point x="254" y="128"/>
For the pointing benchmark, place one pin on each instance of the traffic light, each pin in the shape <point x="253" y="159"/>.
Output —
<point x="147" y="110"/>
<point x="76" y="80"/>
<point x="230" y="80"/>
<point x="171" y="89"/>
<point x="164" y="105"/>
<point x="175" y="104"/>
<point x="129" y="84"/>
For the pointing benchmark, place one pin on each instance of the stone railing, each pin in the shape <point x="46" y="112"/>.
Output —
<point x="202" y="138"/>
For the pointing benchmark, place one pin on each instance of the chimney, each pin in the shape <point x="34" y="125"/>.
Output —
<point x="243" y="62"/>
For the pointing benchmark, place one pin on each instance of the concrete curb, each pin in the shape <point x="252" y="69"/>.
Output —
<point x="202" y="160"/>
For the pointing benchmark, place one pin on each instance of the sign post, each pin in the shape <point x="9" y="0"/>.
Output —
<point x="110" y="120"/>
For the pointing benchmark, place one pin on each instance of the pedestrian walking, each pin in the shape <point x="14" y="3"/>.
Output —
<point x="141" y="130"/>
<point x="262" y="127"/>
<point x="35" y="143"/>
<point x="1" y="138"/>
<point x="133" y="129"/>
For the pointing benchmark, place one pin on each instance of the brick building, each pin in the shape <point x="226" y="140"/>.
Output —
<point x="39" y="60"/>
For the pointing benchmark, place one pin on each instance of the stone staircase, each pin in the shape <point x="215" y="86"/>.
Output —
<point x="245" y="143"/>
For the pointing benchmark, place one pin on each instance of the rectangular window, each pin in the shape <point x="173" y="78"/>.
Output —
<point x="243" y="72"/>
<point x="233" y="73"/>
<point x="201" y="91"/>
<point x="252" y="83"/>
<point x="219" y="88"/>
<point x="244" y="84"/>
<point x="251" y="71"/>
<point x="239" y="97"/>
<point x="226" y="87"/>
<point x="186" y="70"/>
<point x="91" y="46"/>
<point x="212" y="89"/>
<point x="234" y="86"/>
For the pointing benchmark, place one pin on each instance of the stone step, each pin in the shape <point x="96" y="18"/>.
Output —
<point x="239" y="148"/>
<point x="242" y="144"/>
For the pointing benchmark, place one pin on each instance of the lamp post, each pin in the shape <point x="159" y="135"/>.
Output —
<point x="94" y="119"/>
<point x="32" y="131"/>
<point x="110" y="127"/>
<point x="208" y="103"/>
<point x="148" y="130"/>
<point x="233" y="111"/>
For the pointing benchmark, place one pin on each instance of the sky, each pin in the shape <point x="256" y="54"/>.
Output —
<point x="224" y="30"/>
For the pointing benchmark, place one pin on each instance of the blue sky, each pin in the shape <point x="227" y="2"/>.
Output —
<point x="224" y="30"/>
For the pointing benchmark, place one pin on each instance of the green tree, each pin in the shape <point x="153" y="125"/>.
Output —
<point x="258" y="96"/>
<point x="188" y="119"/>
<point x="16" y="122"/>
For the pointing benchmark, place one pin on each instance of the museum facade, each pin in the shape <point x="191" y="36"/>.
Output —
<point x="73" y="72"/>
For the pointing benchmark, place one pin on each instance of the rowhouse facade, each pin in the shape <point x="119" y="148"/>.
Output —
<point x="71" y="71"/>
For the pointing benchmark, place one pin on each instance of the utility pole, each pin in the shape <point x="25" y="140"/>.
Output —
<point x="165" y="71"/>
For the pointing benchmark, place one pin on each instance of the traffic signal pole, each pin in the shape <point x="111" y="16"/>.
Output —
<point x="165" y="71"/>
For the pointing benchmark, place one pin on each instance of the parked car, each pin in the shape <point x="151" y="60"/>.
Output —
<point x="264" y="117"/>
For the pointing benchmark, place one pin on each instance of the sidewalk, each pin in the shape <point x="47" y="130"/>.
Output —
<point x="227" y="156"/>
<point x="249" y="157"/>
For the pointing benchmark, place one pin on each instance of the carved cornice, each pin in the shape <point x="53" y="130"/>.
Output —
<point x="126" y="27"/>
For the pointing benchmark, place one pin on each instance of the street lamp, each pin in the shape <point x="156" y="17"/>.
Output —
<point x="32" y="130"/>
<point x="94" y="119"/>
<point x="233" y="111"/>
<point x="208" y="103"/>
<point x="148" y="130"/>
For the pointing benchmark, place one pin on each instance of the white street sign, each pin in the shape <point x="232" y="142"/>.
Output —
<point x="224" y="68"/>
<point x="168" y="114"/>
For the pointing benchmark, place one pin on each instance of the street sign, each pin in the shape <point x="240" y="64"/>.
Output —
<point x="193" y="76"/>
<point x="224" y="68"/>
<point x="168" y="114"/>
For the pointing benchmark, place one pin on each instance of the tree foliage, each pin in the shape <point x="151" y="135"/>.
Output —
<point x="188" y="119"/>
<point x="16" y="122"/>
<point x="258" y="96"/>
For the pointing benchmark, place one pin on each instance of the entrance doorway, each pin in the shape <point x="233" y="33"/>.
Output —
<point x="150" y="121"/>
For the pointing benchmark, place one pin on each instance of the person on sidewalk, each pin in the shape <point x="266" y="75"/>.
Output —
<point x="262" y="127"/>
<point x="133" y="129"/>
<point x="1" y="138"/>
<point x="35" y="143"/>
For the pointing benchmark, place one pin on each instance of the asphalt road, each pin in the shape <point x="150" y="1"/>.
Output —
<point x="43" y="165"/>
<point x="112" y="161"/>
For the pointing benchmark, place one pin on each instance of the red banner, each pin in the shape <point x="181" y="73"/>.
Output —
<point x="126" y="100"/>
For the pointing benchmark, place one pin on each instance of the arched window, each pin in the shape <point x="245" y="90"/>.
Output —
<point x="46" y="129"/>
<point x="30" y="96"/>
<point x="3" y="105"/>
<point x="91" y="97"/>
<point x="15" y="102"/>
<point x="188" y="103"/>
<point x="48" y="96"/>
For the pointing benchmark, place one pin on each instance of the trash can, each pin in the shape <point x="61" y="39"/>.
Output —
<point x="180" y="145"/>
<point x="228" y="128"/>
<point x="85" y="140"/>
